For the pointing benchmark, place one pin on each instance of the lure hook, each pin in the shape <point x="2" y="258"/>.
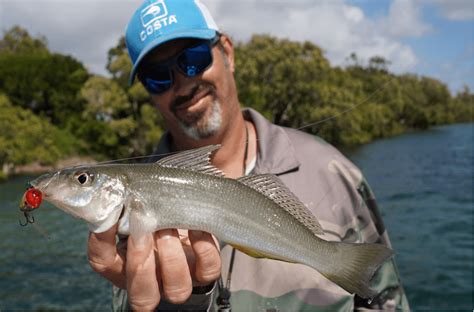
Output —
<point x="29" y="219"/>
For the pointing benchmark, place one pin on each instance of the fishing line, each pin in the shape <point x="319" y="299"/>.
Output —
<point x="345" y="111"/>
<point x="223" y="300"/>
<point x="41" y="230"/>
<point x="383" y="86"/>
<point x="227" y="286"/>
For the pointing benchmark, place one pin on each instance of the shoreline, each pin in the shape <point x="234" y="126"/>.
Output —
<point x="35" y="168"/>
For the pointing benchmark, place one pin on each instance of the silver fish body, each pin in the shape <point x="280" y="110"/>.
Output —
<point x="230" y="210"/>
<point x="255" y="214"/>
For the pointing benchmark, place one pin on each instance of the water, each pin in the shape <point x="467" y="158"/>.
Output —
<point x="37" y="273"/>
<point x="424" y="185"/>
<point x="423" y="182"/>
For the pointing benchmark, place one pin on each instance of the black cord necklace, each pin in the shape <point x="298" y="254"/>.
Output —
<point x="246" y="151"/>
<point x="223" y="301"/>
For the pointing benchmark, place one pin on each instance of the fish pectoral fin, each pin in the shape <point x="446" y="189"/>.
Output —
<point x="198" y="159"/>
<point x="140" y="223"/>
<point x="256" y="254"/>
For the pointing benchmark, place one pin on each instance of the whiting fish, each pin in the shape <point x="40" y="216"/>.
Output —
<point x="256" y="214"/>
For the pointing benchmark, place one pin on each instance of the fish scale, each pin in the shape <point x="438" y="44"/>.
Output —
<point x="257" y="215"/>
<point x="236" y="224"/>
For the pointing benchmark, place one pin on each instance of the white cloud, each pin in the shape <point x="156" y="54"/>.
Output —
<point x="457" y="71"/>
<point x="404" y="20"/>
<point x="83" y="29"/>
<point x="87" y="29"/>
<point x="336" y="26"/>
<point x="456" y="10"/>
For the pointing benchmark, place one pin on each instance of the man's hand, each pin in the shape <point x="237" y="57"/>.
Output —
<point x="154" y="265"/>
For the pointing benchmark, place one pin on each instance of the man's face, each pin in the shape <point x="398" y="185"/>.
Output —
<point x="196" y="106"/>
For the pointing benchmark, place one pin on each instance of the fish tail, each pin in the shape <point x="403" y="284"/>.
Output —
<point x="354" y="265"/>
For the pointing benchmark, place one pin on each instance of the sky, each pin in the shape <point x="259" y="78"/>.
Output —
<point x="426" y="37"/>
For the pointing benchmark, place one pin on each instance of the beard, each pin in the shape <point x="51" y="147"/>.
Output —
<point x="203" y="123"/>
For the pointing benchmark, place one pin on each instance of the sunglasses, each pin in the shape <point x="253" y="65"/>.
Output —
<point x="192" y="61"/>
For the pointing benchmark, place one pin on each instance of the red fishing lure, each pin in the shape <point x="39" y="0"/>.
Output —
<point x="33" y="198"/>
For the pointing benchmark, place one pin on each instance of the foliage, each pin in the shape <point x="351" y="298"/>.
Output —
<point x="149" y="123"/>
<point x="103" y="117"/>
<point x="111" y="126"/>
<point x="52" y="107"/>
<point x="107" y="124"/>
<point x="462" y="106"/>
<point x="276" y="84"/>
<point x="18" y="41"/>
<point x="119" y="64"/>
<point x="26" y="138"/>
<point x="44" y="82"/>
<point x="293" y="85"/>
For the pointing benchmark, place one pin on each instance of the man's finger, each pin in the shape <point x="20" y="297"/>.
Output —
<point x="103" y="257"/>
<point x="206" y="253"/>
<point x="142" y="284"/>
<point x="175" y="275"/>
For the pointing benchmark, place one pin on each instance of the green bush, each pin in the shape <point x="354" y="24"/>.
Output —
<point x="26" y="138"/>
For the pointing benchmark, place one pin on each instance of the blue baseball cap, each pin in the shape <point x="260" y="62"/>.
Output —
<point x="158" y="21"/>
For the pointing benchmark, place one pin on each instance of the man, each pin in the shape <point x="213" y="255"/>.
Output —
<point x="187" y="67"/>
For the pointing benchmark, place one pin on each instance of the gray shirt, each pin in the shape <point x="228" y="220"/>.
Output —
<point x="335" y="191"/>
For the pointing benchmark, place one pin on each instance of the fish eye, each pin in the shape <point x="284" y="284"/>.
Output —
<point x="83" y="178"/>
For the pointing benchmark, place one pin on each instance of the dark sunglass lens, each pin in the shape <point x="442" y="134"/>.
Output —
<point x="195" y="60"/>
<point x="158" y="72"/>
<point x="157" y="86"/>
<point x="156" y="79"/>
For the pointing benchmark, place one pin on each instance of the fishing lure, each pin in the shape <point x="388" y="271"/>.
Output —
<point x="31" y="200"/>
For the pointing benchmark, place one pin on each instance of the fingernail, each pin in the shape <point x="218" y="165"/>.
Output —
<point x="141" y="242"/>
<point x="165" y="234"/>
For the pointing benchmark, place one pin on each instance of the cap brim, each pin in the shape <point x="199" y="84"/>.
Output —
<point x="205" y="34"/>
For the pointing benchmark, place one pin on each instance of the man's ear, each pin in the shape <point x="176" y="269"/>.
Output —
<point x="228" y="51"/>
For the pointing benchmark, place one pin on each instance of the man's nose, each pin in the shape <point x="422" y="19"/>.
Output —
<point x="183" y="84"/>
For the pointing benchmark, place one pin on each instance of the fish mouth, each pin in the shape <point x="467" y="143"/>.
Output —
<point x="42" y="182"/>
<point x="35" y="193"/>
<point x="32" y="198"/>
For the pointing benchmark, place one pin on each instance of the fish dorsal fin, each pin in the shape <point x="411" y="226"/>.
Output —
<point x="272" y="187"/>
<point x="198" y="159"/>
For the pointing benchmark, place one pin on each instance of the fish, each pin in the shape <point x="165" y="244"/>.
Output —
<point x="256" y="214"/>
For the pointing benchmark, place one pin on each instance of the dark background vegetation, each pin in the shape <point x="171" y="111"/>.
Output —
<point x="52" y="108"/>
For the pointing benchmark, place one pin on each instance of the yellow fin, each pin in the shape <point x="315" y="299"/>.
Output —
<point x="255" y="253"/>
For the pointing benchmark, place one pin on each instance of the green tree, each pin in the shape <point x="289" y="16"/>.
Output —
<point x="462" y="106"/>
<point x="26" y="138"/>
<point x="16" y="40"/>
<point x="378" y="63"/>
<point x="437" y="101"/>
<point x="291" y="83"/>
<point x="149" y="123"/>
<point x="277" y="76"/>
<point x="107" y="124"/>
<point x="148" y="132"/>
<point x="119" y="64"/>
<point x="44" y="82"/>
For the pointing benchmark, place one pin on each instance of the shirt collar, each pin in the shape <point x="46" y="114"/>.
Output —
<point x="276" y="153"/>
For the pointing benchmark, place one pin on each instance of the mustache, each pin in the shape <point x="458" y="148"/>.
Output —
<point x="180" y="100"/>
